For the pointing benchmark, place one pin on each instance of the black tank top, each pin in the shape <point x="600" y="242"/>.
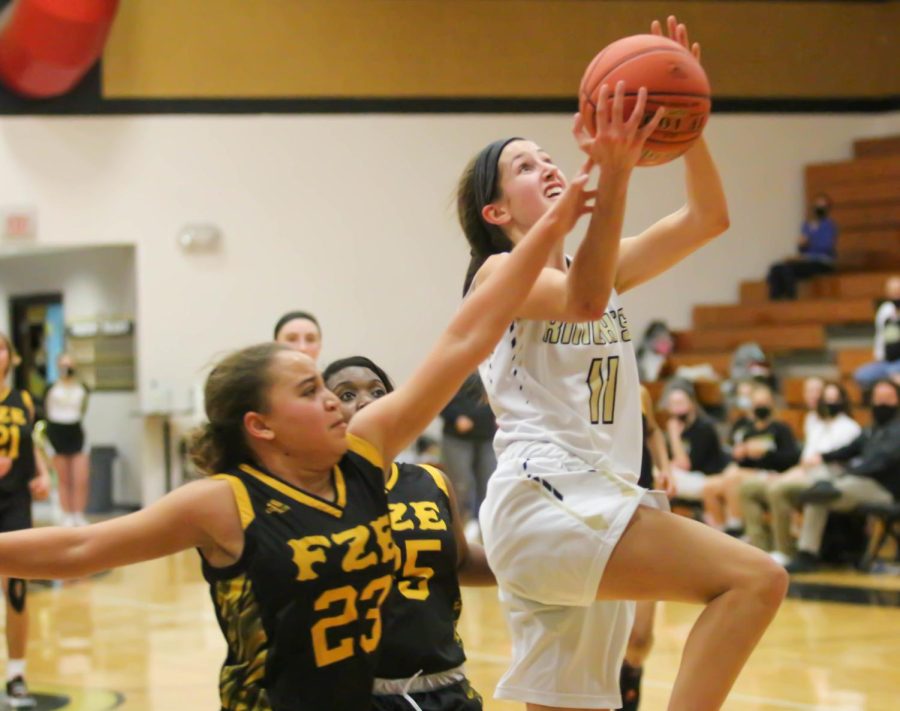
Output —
<point x="301" y="609"/>
<point x="16" y="442"/>
<point x="421" y="614"/>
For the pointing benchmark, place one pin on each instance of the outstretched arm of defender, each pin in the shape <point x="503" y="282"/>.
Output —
<point x="393" y="421"/>
<point x="193" y="516"/>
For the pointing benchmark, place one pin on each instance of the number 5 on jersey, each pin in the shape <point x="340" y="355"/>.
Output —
<point x="602" y="386"/>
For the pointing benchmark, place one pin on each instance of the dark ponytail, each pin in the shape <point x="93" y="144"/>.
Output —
<point x="237" y="385"/>
<point x="479" y="186"/>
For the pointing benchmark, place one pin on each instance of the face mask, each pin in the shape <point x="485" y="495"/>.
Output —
<point x="762" y="413"/>
<point x="743" y="403"/>
<point x="830" y="409"/>
<point x="882" y="414"/>
<point x="821" y="212"/>
<point x="896" y="303"/>
<point x="67" y="371"/>
<point x="683" y="417"/>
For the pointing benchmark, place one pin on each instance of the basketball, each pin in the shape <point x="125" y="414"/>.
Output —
<point x="673" y="78"/>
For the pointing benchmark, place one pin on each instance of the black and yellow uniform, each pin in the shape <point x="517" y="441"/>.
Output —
<point x="421" y="613"/>
<point x="16" y="421"/>
<point x="301" y="609"/>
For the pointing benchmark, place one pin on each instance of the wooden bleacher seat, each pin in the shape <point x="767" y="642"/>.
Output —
<point x="769" y="338"/>
<point x="849" y="359"/>
<point x="820" y="311"/>
<point x="875" y="147"/>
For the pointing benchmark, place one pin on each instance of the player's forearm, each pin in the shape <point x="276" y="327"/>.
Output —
<point x="592" y="276"/>
<point x="473" y="571"/>
<point x="43" y="553"/>
<point x="706" y="202"/>
<point x="487" y="312"/>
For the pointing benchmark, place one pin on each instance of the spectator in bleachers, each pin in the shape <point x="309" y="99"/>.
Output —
<point x="813" y="389"/>
<point x="741" y="413"/>
<point x="765" y="445"/>
<point x="697" y="453"/>
<point x="815" y="252"/>
<point x="829" y="429"/>
<point x="887" y="339"/>
<point x="868" y="472"/>
<point x="655" y="349"/>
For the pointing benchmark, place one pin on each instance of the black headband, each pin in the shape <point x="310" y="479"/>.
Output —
<point x="486" y="169"/>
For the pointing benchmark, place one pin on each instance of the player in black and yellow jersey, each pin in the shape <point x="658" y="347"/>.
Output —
<point x="23" y="474"/>
<point x="421" y="665"/>
<point x="295" y="537"/>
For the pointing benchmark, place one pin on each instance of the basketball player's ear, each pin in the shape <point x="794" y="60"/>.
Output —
<point x="256" y="426"/>
<point x="495" y="214"/>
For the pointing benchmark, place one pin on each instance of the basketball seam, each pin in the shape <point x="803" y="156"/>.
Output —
<point x="628" y="58"/>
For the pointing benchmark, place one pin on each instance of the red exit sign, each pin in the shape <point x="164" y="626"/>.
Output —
<point x="19" y="223"/>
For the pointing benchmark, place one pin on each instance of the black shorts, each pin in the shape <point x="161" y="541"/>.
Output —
<point x="457" y="697"/>
<point x="15" y="512"/>
<point x="66" y="439"/>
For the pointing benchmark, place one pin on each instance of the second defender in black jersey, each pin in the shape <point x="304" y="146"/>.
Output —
<point x="422" y="657"/>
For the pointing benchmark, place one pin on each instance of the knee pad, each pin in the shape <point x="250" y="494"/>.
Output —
<point x="15" y="594"/>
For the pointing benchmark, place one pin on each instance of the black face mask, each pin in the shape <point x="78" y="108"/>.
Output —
<point x="830" y="409"/>
<point x="762" y="413"/>
<point x="820" y="212"/>
<point x="67" y="372"/>
<point x="882" y="414"/>
<point x="683" y="417"/>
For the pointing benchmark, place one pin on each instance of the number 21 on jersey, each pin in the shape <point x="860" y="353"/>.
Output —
<point x="602" y="381"/>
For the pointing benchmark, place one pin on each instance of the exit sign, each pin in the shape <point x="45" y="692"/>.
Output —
<point x="19" y="223"/>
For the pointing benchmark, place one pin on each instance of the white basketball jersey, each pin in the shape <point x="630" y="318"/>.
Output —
<point x="573" y="384"/>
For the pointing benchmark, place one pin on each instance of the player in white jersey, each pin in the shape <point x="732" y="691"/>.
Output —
<point x="568" y="532"/>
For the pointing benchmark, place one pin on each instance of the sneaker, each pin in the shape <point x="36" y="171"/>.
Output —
<point x="17" y="695"/>
<point x="803" y="562"/>
<point x="822" y="492"/>
<point x="780" y="558"/>
<point x="630" y="686"/>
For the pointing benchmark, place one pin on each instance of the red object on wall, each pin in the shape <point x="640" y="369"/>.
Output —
<point x="47" y="46"/>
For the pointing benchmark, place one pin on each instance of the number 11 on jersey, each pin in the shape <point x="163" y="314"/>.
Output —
<point x="602" y="387"/>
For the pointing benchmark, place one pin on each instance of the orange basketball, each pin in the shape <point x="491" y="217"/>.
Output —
<point x="673" y="79"/>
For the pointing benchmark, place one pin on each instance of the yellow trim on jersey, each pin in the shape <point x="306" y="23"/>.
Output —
<point x="5" y="393"/>
<point x="340" y="487"/>
<point x="365" y="449"/>
<point x="392" y="477"/>
<point x="241" y="498"/>
<point x="438" y="477"/>
<point x="29" y="403"/>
